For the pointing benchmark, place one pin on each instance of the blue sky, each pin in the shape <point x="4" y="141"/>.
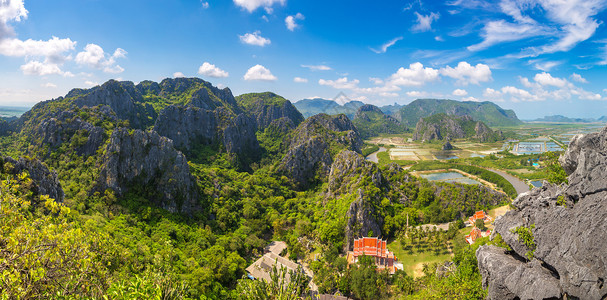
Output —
<point x="537" y="57"/>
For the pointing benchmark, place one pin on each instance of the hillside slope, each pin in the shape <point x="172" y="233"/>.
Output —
<point x="487" y="112"/>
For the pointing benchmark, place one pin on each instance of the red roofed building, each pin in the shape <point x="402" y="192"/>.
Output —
<point x="374" y="247"/>
<point x="475" y="234"/>
<point x="479" y="215"/>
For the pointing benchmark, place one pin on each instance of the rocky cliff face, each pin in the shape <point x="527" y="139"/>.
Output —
<point x="45" y="181"/>
<point x="67" y="126"/>
<point x="146" y="159"/>
<point x="568" y="229"/>
<point x="347" y="172"/>
<point x="371" y="121"/>
<point x="189" y="125"/>
<point x="314" y="144"/>
<point x="267" y="107"/>
<point x="443" y="126"/>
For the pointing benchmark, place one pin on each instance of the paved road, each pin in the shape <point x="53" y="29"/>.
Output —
<point x="519" y="185"/>
<point x="373" y="156"/>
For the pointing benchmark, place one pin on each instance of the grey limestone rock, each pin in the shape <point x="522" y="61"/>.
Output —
<point x="313" y="145"/>
<point x="570" y="239"/>
<point x="147" y="159"/>
<point x="46" y="182"/>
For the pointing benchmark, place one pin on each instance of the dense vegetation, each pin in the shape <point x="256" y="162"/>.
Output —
<point x="100" y="243"/>
<point x="487" y="112"/>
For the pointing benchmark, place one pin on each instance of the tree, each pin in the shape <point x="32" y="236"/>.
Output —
<point x="480" y="224"/>
<point x="284" y="285"/>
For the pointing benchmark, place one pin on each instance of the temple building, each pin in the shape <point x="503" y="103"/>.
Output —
<point x="376" y="248"/>
<point x="479" y="215"/>
<point x="475" y="234"/>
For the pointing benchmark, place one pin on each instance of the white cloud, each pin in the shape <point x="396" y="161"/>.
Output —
<point x="460" y="92"/>
<point x="10" y="11"/>
<point x="545" y="66"/>
<point x="178" y="75"/>
<point x="571" y="22"/>
<point x="518" y="95"/>
<point x="417" y="94"/>
<point x="578" y="78"/>
<point x="468" y="74"/>
<point x="547" y="79"/>
<point x="387" y="45"/>
<point x="290" y="21"/>
<point x="424" y="23"/>
<point x="439" y="38"/>
<point x="471" y="99"/>
<point x="300" y="80"/>
<point x="91" y="83"/>
<point x="35" y="67"/>
<point x="94" y="57"/>
<point x="491" y="93"/>
<point x="251" y="5"/>
<point x="205" y="5"/>
<point x="259" y="72"/>
<point x="415" y="75"/>
<point x="376" y="81"/>
<point x="254" y="39"/>
<point x="53" y="50"/>
<point x="496" y="32"/>
<point x="317" y="67"/>
<point x="49" y="85"/>
<point x="211" y="70"/>
<point x="341" y="83"/>
<point x="576" y="20"/>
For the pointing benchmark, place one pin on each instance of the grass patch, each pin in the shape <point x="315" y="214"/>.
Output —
<point x="413" y="260"/>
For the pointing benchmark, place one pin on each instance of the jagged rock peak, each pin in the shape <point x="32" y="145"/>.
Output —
<point x="347" y="166"/>
<point x="145" y="158"/>
<point x="315" y="141"/>
<point x="267" y="107"/>
<point x="569" y="231"/>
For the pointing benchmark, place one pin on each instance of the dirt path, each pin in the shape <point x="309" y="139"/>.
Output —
<point x="373" y="156"/>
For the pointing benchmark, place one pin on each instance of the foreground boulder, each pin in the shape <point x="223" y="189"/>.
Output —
<point x="569" y="233"/>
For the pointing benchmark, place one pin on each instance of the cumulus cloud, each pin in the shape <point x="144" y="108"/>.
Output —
<point x="415" y="75"/>
<point x="178" y="75"/>
<point x="90" y="83"/>
<point x="578" y="78"/>
<point x="460" y="92"/>
<point x="205" y="5"/>
<point x="424" y="22"/>
<point x="376" y="81"/>
<point x="387" y="45"/>
<point x="94" y="57"/>
<point x="317" y="67"/>
<point x="341" y="83"/>
<point x="10" y="11"/>
<point x="417" y="94"/>
<point x="471" y="99"/>
<point x="547" y="79"/>
<point x="290" y="21"/>
<point x="210" y="70"/>
<point x="466" y="74"/>
<point x="300" y="80"/>
<point x="251" y="5"/>
<point x="49" y="85"/>
<point x="259" y="72"/>
<point x="255" y="39"/>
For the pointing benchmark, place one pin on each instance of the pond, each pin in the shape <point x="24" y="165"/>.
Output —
<point x="537" y="183"/>
<point x="442" y="155"/>
<point x="451" y="177"/>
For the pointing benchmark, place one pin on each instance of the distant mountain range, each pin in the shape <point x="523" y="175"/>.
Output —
<point x="310" y="107"/>
<point x="563" y="119"/>
<point x="410" y="114"/>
